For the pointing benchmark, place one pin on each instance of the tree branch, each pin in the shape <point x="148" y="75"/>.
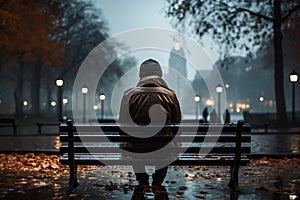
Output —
<point x="290" y="12"/>
<point x="255" y="14"/>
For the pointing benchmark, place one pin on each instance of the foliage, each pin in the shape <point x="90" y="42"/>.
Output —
<point x="242" y="26"/>
<point x="236" y="26"/>
<point x="24" y="32"/>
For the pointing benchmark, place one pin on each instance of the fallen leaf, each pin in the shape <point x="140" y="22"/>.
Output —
<point x="182" y="188"/>
<point x="200" y="196"/>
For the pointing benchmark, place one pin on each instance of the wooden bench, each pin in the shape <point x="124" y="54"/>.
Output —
<point x="40" y="124"/>
<point x="227" y="146"/>
<point x="9" y="122"/>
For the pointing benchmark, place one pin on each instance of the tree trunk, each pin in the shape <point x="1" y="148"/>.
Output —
<point x="35" y="90"/>
<point x="49" y="96"/>
<point x="18" y="94"/>
<point x="278" y="62"/>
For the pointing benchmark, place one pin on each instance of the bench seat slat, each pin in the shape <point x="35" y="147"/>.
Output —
<point x="118" y="159"/>
<point x="181" y="138"/>
<point x="108" y="149"/>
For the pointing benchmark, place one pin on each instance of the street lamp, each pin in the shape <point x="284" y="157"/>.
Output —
<point x="25" y="103"/>
<point x="84" y="91"/>
<point x="261" y="99"/>
<point x="197" y="99"/>
<point x="53" y="103"/>
<point x="219" y="90"/>
<point x="59" y="83"/>
<point x="65" y="101"/>
<point x="293" y="80"/>
<point x="102" y="98"/>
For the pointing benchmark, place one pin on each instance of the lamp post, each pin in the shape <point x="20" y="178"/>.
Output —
<point x="197" y="99"/>
<point x="84" y="91"/>
<point x="65" y="101"/>
<point x="293" y="80"/>
<point x="59" y="83"/>
<point x="219" y="90"/>
<point x="261" y="99"/>
<point x="102" y="98"/>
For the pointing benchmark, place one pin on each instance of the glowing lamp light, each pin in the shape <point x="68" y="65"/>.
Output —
<point x="53" y="103"/>
<point x="65" y="101"/>
<point x="95" y="107"/>
<point x="294" y="76"/>
<point x="102" y="97"/>
<point x="25" y="103"/>
<point x="261" y="98"/>
<point x="219" y="88"/>
<point x="84" y="90"/>
<point x="59" y="82"/>
<point x="197" y="98"/>
<point x="209" y="102"/>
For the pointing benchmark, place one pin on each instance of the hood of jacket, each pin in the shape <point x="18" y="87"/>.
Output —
<point x="152" y="81"/>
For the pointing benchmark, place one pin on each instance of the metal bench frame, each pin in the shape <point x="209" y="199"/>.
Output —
<point x="40" y="124"/>
<point x="75" y="154"/>
<point x="9" y="122"/>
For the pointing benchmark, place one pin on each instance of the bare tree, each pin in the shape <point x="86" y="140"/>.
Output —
<point x="242" y="26"/>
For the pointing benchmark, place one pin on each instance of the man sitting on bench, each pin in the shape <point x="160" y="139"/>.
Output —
<point x="151" y="101"/>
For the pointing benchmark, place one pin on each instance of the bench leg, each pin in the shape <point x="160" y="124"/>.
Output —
<point x="15" y="130"/>
<point x="73" y="182"/>
<point x="234" y="178"/>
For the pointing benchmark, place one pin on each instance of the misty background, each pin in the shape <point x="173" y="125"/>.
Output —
<point x="43" y="41"/>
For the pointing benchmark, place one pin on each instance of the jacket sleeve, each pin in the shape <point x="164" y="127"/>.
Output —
<point x="124" y="113"/>
<point x="175" y="111"/>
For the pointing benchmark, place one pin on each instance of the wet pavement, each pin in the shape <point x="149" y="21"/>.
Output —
<point x="264" y="179"/>
<point x="259" y="180"/>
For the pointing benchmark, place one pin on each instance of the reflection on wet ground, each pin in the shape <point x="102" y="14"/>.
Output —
<point x="278" y="143"/>
<point x="262" y="179"/>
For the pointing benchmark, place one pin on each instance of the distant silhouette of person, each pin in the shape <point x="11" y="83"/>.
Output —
<point x="226" y="116"/>
<point x="205" y="115"/>
<point x="151" y="97"/>
<point x="214" y="117"/>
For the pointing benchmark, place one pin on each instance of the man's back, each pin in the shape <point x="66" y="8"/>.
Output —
<point x="150" y="100"/>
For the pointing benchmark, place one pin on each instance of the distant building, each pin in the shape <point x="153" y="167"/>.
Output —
<point x="177" y="60"/>
<point x="178" y="78"/>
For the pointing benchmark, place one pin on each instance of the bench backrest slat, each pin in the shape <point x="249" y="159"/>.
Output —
<point x="7" y="120"/>
<point x="99" y="138"/>
<point x="129" y="128"/>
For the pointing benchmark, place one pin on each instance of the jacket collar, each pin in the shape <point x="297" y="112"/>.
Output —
<point x="152" y="81"/>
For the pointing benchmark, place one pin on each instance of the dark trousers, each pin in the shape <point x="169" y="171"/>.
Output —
<point x="158" y="177"/>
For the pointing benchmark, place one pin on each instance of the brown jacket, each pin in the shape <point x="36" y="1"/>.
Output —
<point x="150" y="90"/>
